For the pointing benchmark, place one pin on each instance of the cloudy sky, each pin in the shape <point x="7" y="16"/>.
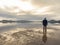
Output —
<point x="29" y="9"/>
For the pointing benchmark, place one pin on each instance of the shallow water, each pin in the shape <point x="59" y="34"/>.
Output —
<point x="29" y="34"/>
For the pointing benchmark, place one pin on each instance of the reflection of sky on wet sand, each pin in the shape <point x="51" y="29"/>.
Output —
<point x="32" y="33"/>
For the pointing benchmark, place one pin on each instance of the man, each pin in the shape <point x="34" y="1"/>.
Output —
<point x="45" y="23"/>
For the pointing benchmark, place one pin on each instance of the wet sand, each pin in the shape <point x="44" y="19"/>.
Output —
<point x="24" y="35"/>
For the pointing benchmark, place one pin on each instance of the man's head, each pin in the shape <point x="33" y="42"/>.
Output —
<point x="44" y="18"/>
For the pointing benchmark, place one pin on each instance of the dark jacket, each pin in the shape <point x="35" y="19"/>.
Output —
<point x="45" y="22"/>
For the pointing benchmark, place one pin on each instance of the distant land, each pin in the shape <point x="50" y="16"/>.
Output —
<point x="14" y="21"/>
<point x="26" y="21"/>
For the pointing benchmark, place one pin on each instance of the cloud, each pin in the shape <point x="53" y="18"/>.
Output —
<point x="42" y="3"/>
<point x="6" y="15"/>
<point x="14" y="8"/>
<point x="45" y="2"/>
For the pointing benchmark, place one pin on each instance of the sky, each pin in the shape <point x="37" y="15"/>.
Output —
<point x="29" y="9"/>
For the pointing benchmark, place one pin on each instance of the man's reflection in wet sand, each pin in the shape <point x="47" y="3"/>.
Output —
<point x="44" y="38"/>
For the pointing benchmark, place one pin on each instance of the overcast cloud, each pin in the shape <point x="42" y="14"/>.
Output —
<point x="39" y="8"/>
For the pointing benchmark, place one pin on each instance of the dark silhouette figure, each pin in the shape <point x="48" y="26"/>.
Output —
<point x="45" y="23"/>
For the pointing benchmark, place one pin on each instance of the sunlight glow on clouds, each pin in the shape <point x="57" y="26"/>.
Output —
<point x="30" y="7"/>
<point x="43" y="10"/>
<point x="16" y="3"/>
<point x="16" y="6"/>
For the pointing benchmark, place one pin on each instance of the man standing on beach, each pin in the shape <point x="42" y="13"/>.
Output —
<point x="45" y="23"/>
